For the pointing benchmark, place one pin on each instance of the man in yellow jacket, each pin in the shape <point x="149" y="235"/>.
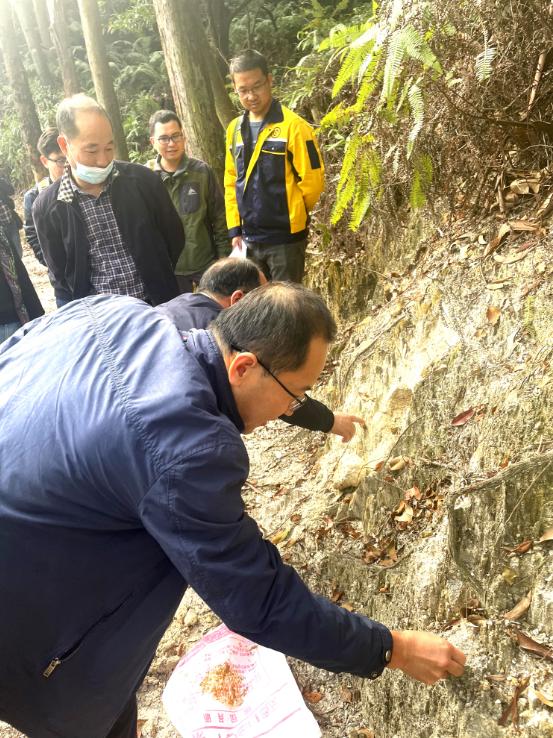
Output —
<point x="274" y="174"/>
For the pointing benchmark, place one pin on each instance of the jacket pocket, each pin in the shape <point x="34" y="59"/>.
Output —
<point x="190" y="198"/>
<point x="66" y="653"/>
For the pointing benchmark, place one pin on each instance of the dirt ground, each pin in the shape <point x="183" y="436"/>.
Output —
<point x="280" y="494"/>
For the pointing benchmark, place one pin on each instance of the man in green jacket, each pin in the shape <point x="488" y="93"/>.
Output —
<point x="196" y="195"/>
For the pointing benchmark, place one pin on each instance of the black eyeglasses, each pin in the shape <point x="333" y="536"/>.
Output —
<point x="61" y="161"/>
<point x="175" y="138"/>
<point x="297" y="401"/>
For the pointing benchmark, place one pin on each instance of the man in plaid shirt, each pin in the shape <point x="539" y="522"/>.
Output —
<point x="105" y="226"/>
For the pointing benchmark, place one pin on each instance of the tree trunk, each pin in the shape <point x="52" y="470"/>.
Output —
<point x="25" y="13"/>
<point x="184" y="45"/>
<point x="101" y="73"/>
<point x="223" y="103"/>
<point x="43" y="23"/>
<point x="60" y="38"/>
<point x="17" y="78"/>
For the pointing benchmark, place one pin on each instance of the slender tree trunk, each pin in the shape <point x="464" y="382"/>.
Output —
<point x="60" y="38"/>
<point x="223" y="103"/>
<point x="25" y="13"/>
<point x="101" y="73"/>
<point x="17" y="78"/>
<point x="184" y="44"/>
<point x="43" y="23"/>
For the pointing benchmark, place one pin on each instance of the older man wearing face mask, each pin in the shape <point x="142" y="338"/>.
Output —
<point x="105" y="226"/>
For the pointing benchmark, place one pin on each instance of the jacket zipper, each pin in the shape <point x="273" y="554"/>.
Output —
<point x="57" y="660"/>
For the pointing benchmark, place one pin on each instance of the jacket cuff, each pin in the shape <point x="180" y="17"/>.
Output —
<point x="383" y="653"/>
<point x="232" y="232"/>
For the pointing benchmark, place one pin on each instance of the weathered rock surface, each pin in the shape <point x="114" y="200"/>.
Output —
<point x="450" y="342"/>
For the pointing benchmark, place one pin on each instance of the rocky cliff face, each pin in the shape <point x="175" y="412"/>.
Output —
<point x="451" y="365"/>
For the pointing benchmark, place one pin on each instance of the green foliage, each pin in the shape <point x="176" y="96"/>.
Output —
<point x="422" y="178"/>
<point x="388" y="64"/>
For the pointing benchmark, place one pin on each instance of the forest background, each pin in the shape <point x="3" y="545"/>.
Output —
<point x="417" y="103"/>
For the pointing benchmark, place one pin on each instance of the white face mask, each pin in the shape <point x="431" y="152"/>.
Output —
<point x="92" y="175"/>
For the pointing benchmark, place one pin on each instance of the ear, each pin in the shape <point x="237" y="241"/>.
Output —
<point x="270" y="80"/>
<point x="44" y="160"/>
<point x="152" y="139"/>
<point x="236" y="296"/>
<point x="62" y="143"/>
<point x="240" y="369"/>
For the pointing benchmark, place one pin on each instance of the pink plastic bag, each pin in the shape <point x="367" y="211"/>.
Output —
<point x="229" y="687"/>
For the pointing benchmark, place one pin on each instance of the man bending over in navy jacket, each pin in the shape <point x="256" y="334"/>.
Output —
<point x="222" y="285"/>
<point x="121" y="468"/>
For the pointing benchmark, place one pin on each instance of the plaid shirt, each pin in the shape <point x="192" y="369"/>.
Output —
<point x="6" y="213"/>
<point x="112" y="268"/>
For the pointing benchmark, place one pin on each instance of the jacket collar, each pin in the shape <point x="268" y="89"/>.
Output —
<point x="68" y="187"/>
<point x="204" y="347"/>
<point x="274" y="115"/>
<point x="182" y="168"/>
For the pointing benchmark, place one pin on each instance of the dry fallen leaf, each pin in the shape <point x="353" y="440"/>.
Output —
<point x="280" y="536"/>
<point x="547" y="536"/>
<point x="414" y="492"/>
<point x="505" y="461"/>
<point x="512" y="258"/>
<point x="546" y="699"/>
<point x="463" y="417"/>
<point x="529" y="644"/>
<point x="523" y="225"/>
<point x="511" y="711"/>
<point x="498" y="284"/>
<point x="509" y="575"/>
<point x="522" y="548"/>
<point x="312" y="697"/>
<point x="406" y="516"/>
<point x="397" y="463"/>
<point x="520" y="608"/>
<point x="504" y="229"/>
<point x="493" y="314"/>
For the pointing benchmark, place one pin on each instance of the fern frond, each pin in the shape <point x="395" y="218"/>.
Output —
<point x="350" y="155"/>
<point x="416" y="104"/>
<point x="483" y="63"/>
<point x="392" y="67"/>
<point x="422" y="178"/>
<point x="417" y="48"/>
<point x="337" y="116"/>
<point x="350" y="65"/>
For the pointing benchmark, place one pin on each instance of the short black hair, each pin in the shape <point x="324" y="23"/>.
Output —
<point x="163" y="116"/>
<point x="246" y="61"/>
<point x="48" y="142"/>
<point x="227" y="275"/>
<point x="276" y="322"/>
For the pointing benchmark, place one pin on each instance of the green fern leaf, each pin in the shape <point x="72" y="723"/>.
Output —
<point x="416" y="104"/>
<point x="417" y="48"/>
<point x="392" y="67"/>
<point x="422" y="178"/>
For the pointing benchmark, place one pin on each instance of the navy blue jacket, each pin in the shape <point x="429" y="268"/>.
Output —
<point x="196" y="310"/>
<point x="121" y="468"/>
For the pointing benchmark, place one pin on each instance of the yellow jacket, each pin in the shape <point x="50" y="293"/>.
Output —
<point x="271" y="188"/>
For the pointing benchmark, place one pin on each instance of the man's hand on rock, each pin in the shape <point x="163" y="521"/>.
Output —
<point x="344" y="425"/>
<point x="425" y="656"/>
